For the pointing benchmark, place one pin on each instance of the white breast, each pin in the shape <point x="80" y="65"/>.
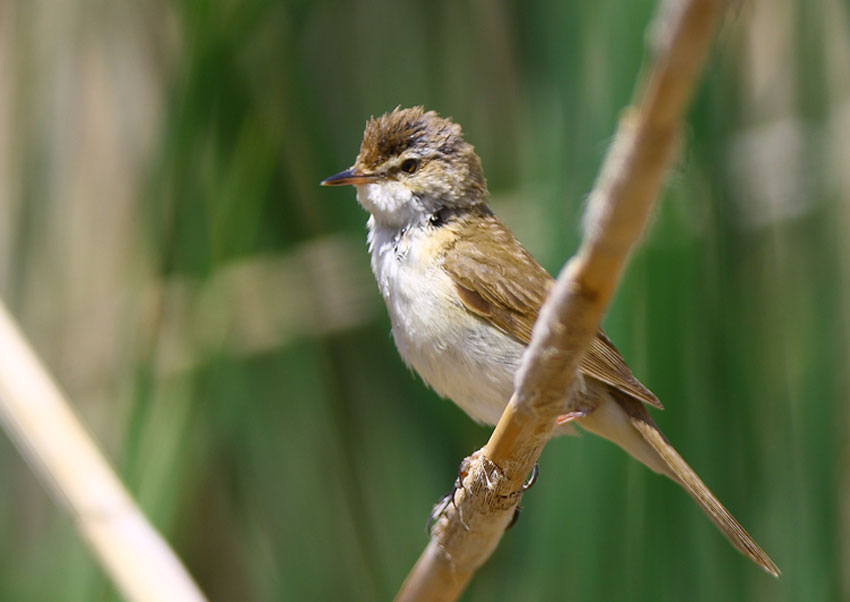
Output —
<point x="459" y="355"/>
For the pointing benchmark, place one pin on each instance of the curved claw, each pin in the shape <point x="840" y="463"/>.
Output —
<point x="441" y="506"/>
<point x="532" y="478"/>
<point x="438" y="510"/>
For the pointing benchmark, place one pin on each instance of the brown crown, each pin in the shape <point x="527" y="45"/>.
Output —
<point x="393" y="133"/>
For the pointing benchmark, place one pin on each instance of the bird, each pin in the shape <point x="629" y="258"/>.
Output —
<point x="463" y="294"/>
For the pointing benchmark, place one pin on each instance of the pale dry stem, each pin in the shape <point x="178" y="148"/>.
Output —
<point x="619" y="208"/>
<point x="39" y="420"/>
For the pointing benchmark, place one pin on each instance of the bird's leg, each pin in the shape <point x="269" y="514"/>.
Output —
<point x="570" y="416"/>
<point x="582" y="403"/>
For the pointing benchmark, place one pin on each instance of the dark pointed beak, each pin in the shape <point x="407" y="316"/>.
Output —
<point x="349" y="176"/>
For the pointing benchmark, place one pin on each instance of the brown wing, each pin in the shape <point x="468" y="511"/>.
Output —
<point x="497" y="279"/>
<point x="604" y="362"/>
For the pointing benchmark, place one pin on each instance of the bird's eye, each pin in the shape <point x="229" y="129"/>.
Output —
<point x="409" y="165"/>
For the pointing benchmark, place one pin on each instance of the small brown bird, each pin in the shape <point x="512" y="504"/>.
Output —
<point x="463" y="295"/>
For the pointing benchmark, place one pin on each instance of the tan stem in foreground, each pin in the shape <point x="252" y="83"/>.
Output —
<point x="39" y="420"/>
<point x="620" y="206"/>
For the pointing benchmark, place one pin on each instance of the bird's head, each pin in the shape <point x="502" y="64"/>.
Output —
<point x="413" y="163"/>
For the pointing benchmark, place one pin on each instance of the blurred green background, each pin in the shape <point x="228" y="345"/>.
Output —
<point x="210" y="310"/>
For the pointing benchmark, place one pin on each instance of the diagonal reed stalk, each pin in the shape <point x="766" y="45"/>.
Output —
<point x="39" y="420"/>
<point x="620" y="206"/>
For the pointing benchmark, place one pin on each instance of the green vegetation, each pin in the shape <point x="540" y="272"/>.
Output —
<point x="210" y="311"/>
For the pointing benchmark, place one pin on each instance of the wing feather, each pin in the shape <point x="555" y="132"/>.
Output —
<point x="498" y="280"/>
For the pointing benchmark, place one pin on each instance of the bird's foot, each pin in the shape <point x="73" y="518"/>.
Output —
<point x="449" y="499"/>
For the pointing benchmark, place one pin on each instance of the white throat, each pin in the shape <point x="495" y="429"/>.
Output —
<point x="390" y="203"/>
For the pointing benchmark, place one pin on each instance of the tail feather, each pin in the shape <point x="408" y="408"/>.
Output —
<point x="683" y="474"/>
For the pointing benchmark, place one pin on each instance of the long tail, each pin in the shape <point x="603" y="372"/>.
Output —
<point x="624" y="421"/>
